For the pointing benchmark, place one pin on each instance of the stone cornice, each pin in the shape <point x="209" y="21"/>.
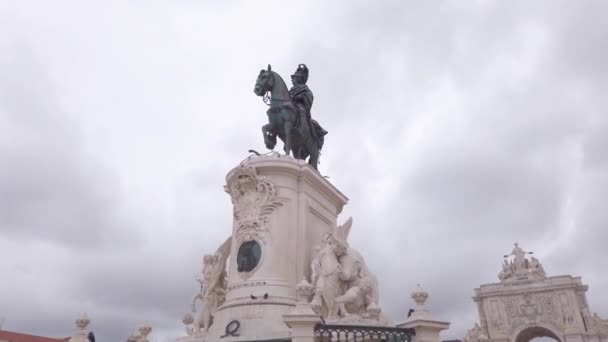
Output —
<point x="299" y="168"/>
<point x="425" y="323"/>
<point x="548" y="284"/>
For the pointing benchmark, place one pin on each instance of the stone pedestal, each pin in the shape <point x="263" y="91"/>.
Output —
<point x="427" y="328"/>
<point x="191" y="339"/>
<point x="282" y="209"/>
<point x="302" y="319"/>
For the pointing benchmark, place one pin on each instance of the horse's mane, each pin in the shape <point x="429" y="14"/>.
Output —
<point x="281" y="79"/>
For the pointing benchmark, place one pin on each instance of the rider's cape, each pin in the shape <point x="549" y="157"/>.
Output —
<point x="305" y="100"/>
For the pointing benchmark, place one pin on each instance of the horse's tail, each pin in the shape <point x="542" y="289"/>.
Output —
<point x="319" y="133"/>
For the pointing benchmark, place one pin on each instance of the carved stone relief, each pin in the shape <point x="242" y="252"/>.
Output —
<point x="531" y="308"/>
<point x="254" y="198"/>
<point x="566" y="310"/>
<point x="527" y="304"/>
<point x="496" y="319"/>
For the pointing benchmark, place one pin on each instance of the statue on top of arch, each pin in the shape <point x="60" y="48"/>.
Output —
<point x="520" y="266"/>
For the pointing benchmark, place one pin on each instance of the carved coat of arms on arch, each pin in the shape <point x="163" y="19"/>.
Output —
<point x="254" y="198"/>
<point x="531" y="308"/>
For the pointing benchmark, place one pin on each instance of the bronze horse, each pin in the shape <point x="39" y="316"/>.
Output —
<point x="283" y="120"/>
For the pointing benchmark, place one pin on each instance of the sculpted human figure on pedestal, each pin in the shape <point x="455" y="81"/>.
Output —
<point x="300" y="94"/>
<point x="289" y="115"/>
<point x="144" y="330"/>
<point x="520" y="267"/>
<point x="82" y="333"/>
<point x="520" y="261"/>
<point x="213" y="288"/>
<point x="302" y="98"/>
<point x="507" y="271"/>
<point x="536" y="267"/>
<point x="343" y="286"/>
<point x="476" y="334"/>
<point x="325" y="270"/>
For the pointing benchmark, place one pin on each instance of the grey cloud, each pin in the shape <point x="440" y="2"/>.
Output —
<point x="509" y="180"/>
<point x="595" y="155"/>
<point x="480" y="124"/>
<point x="50" y="187"/>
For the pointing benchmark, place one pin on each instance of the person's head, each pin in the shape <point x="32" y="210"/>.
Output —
<point x="339" y="247"/>
<point x="300" y="76"/>
<point x="297" y="80"/>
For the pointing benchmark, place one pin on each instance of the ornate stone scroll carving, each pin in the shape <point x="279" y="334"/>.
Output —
<point x="254" y="198"/>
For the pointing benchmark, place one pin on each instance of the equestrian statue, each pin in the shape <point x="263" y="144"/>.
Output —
<point x="289" y="115"/>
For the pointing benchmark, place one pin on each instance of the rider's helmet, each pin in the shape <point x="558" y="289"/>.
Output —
<point x="301" y="71"/>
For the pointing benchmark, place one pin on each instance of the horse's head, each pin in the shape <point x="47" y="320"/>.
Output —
<point x="264" y="82"/>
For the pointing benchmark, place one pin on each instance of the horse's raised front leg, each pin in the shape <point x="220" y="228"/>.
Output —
<point x="269" y="140"/>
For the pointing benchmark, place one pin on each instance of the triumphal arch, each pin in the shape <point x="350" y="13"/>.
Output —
<point x="527" y="303"/>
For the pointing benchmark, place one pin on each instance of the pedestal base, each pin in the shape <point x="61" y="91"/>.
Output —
<point x="283" y="208"/>
<point x="190" y="339"/>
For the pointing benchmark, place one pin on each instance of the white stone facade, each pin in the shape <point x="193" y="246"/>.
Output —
<point x="287" y="265"/>
<point x="527" y="304"/>
<point x="287" y="208"/>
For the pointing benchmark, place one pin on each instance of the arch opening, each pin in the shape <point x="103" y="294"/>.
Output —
<point x="537" y="334"/>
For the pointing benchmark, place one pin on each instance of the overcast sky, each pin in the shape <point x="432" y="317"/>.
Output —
<point x="455" y="128"/>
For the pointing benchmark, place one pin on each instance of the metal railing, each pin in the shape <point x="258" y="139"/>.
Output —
<point x="361" y="333"/>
